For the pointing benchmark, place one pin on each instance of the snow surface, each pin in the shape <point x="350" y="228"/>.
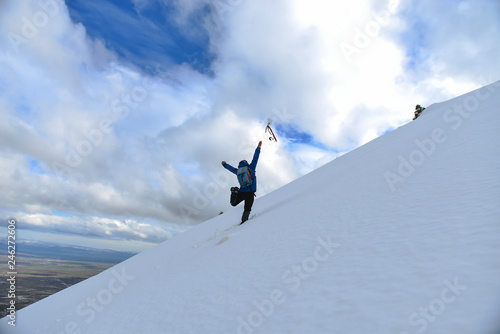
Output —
<point x="401" y="235"/>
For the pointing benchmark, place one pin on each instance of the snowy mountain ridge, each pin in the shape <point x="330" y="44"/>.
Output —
<point x="398" y="236"/>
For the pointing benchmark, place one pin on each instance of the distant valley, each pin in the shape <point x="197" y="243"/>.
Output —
<point x="46" y="268"/>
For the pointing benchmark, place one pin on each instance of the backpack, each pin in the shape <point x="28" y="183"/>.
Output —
<point x="244" y="176"/>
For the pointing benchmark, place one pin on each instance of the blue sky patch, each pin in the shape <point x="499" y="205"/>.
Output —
<point x="61" y="214"/>
<point x="36" y="167"/>
<point x="146" y="38"/>
<point x="295" y="136"/>
<point x="292" y="133"/>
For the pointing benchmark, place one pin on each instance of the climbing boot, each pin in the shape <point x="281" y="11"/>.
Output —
<point x="245" y="216"/>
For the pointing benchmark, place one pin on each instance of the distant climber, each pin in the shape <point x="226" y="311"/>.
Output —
<point x="418" y="110"/>
<point x="248" y="183"/>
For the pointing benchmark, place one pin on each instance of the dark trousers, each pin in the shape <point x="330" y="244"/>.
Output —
<point x="248" y="197"/>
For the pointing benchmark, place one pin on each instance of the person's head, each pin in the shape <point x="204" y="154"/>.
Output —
<point x="243" y="163"/>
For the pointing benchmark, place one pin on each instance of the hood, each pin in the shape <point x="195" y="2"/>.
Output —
<point x="243" y="163"/>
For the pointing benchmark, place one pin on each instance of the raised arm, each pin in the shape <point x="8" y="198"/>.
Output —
<point x="256" y="155"/>
<point x="229" y="167"/>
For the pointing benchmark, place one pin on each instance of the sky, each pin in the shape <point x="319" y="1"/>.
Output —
<point x="116" y="115"/>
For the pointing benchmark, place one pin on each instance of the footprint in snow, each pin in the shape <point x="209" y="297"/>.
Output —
<point x="223" y="240"/>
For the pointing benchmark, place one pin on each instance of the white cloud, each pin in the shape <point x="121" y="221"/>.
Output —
<point x="451" y="51"/>
<point x="96" y="227"/>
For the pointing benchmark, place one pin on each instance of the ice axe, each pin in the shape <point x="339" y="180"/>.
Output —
<point x="268" y="129"/>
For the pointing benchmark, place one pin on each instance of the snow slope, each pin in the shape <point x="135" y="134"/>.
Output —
<point x="401" y="235"/>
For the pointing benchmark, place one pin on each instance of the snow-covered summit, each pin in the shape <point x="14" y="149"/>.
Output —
<point x="401" y="235"/>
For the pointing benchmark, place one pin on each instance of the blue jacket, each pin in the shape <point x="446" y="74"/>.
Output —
<point x="252" y="166"/>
